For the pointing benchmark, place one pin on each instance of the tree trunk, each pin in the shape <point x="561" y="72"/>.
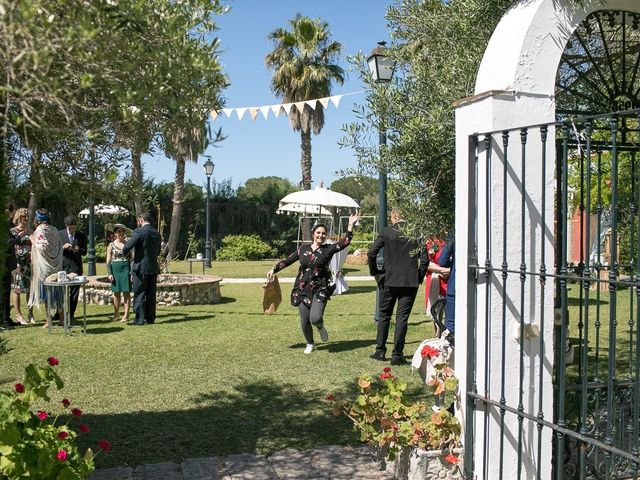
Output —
<point x="305" y="158"/>
<point x="176" y="214"/>
<point x="305" y="166"/>
<point x="136" y="176"/>
<point x="35" y="182"/>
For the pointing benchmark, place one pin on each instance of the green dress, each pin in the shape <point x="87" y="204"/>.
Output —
<point x="120" y="269"/>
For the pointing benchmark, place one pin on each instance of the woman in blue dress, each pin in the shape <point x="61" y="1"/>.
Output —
<point x="312" y="288"/>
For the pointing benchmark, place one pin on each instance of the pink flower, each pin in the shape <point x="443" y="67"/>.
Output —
<point x="53" y="361"/>
<point x="66" y="402"/>
<point x="42" y="415"/>
<point x="452" y="459"/>
<point x="76" y="412"/>
<point x="387" y="369"/>
<point x="62" y="455"/>
<point x="104" y="445"/>
<point x="18" y="387"/>
<point x="63" y="434"/>
<point x="330" y="397"/>
<point x="84" y="428"/>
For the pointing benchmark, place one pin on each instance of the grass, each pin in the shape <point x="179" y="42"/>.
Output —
<point x="212" y="380"/>
<point x="249" y="269"/>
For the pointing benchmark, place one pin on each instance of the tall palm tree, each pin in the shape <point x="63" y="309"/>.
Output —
<point x="304" y="68"/>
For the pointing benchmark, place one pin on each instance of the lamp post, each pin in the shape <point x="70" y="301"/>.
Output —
<point x="208" y="171"/>
<point x="381" y="68"/>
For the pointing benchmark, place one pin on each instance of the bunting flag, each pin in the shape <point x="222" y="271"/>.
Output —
<point x="281" y="107"/>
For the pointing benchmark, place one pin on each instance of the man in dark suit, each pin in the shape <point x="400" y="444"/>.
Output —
<point x="74" y="244"/>
<point x="144" y="269"/>
<point x="405" y="265"/>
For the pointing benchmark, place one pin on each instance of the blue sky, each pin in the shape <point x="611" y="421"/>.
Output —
<point x="270" y="147"/>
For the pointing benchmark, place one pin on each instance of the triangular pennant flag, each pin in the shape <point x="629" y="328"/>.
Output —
<point x="214" y="115"/>
<point x="240" y="112"/>
<point x="336" y="100"/>
<point x="254" y="113"/>
<point x="311" y="103"/>
<point x="324" y="102"/>
<point x="276" y="109"/>
<point x="287" y="107"/>
<point x="299" y="106"/>
<point x="264" y="110"/>
<point x="228" y="112"/>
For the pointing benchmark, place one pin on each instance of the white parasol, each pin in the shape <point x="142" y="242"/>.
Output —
<point x="102" y="209"/>
<point x="320" y="197"/>
<point x="306" y="209"/>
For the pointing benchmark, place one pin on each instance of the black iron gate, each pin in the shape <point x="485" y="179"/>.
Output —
<point x="590" y="218"/>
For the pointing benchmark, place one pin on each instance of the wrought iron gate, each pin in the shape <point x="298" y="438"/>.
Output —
<point x="594" y="284"/>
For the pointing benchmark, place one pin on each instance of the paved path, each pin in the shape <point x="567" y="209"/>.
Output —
<point x="348" y="278"/>
<point x="325" y="463"/>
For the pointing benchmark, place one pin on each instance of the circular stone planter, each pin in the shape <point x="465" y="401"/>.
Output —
<point x="173" y="290"/>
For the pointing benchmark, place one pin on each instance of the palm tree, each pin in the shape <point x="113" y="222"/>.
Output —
<point x="303" y="64"/>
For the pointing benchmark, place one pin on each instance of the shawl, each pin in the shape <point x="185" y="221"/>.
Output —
<point x="46" y="258"/>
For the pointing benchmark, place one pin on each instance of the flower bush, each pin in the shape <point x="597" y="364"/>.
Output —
<point x="386" y="418"/>
<point x="35" y="445"/>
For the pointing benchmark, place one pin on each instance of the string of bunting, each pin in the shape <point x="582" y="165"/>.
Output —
<point x="279" y="108"/>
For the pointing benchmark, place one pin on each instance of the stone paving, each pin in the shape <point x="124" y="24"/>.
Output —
<point x="324" y="463"/>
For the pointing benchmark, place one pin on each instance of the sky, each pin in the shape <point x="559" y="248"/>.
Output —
<point x="270" y="147"/>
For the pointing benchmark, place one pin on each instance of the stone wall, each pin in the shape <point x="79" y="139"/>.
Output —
<point x="173" y="290"/>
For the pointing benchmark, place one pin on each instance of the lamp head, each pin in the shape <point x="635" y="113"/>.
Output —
<point x="208" y="167"/>
<point x="380" y="65"/>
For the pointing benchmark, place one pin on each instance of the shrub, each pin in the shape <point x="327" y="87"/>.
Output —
<point x="244" y="247"/>
<point x="33" y="444"/>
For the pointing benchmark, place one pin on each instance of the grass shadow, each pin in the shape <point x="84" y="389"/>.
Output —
<point x="255" y="416"/>
<point x="354" y="290"/>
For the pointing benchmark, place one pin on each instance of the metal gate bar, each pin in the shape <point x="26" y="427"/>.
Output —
<point x="606" y="440"/>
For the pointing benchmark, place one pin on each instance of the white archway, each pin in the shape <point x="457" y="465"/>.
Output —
<point x="515" y="87"/>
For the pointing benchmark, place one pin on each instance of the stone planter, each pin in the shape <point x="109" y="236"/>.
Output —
<point x="416" y="464"/>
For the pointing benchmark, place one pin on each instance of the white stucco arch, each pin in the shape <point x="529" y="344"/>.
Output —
<point x="515" y="87"/>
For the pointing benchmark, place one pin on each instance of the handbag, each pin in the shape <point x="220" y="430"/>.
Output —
<point x="271" y="296"/>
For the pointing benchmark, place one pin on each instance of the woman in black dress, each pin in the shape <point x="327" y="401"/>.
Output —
<point x="311" y="289"/>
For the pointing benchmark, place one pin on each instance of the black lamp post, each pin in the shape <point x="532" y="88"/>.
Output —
<point x="381" y="67"/>
<point x="208" y="170"/>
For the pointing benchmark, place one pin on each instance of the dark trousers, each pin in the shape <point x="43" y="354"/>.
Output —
<point x="144" y="297"/>
<point x="404" y="296"/>
<point x="311" y="316"/>
<point x="74" y="294"/>
<point x="6" y="297"/>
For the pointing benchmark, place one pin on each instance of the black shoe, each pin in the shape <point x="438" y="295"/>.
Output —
<point x="378" y="356"/>
<point x="137" y="324"/>
<point x="399" y="361"/>
<point x="151" y="323"/>
<point x="12" y="324"/>
<point x="56" y="316"/>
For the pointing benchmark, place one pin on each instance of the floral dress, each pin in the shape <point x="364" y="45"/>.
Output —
<point x="314" y="275"/>
<point x="22" y="278"/>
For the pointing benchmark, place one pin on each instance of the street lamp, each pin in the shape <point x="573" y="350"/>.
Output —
<point x="208" y="171"/>
<point x="381" y="67"/>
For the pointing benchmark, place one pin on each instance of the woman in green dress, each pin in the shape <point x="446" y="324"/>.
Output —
<point x="119" y="270"/>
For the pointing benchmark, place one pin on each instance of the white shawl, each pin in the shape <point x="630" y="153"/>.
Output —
<point x="46" y="258"/>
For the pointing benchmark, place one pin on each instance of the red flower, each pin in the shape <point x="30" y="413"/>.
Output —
<point x="385" y="376"/>
<point x="63" y="434"/>
<point x="330" y="397"/>
<point x="104" y="445"/>
<point x="62" y="455"/>
<point x="429" y="351"/>
<point x="387" y="369"/>
<point x="66" y="402"/>
<point x="18" y="387"/>
<point x="42" y="415"/>
<point x="76" y="412"/>
<point x="84" y="428"/>
<point x="452" y="459"/>
<point x="53" y="361"/>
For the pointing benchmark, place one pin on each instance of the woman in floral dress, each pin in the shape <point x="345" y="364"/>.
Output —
<point x="312" y="288"/>
<point x="119" y="270"/>
<point x="22" y="273"/>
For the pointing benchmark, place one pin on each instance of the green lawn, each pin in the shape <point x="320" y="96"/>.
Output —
<point x="250" y="269"/>
<point x="212" y="380"/>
